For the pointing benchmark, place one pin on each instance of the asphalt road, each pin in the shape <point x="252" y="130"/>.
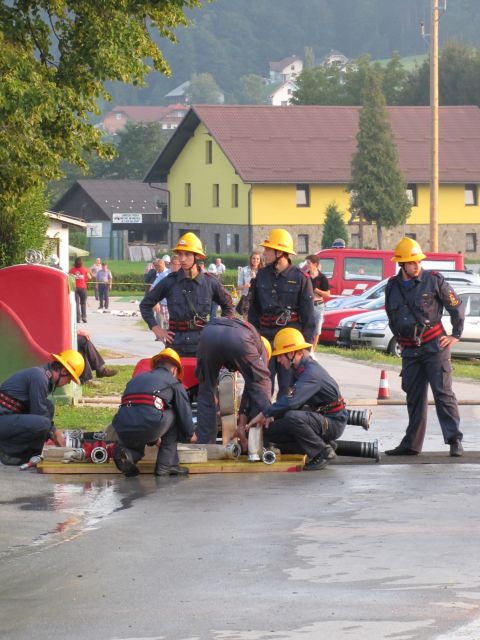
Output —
<point x="352" y="552"/>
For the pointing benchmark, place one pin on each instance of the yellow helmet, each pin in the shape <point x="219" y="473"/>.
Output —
<point x="190" y="242"/>
<point x="408" y="250"/>
<point x="288" y="340"/>
<point x="172" y="356"/>
<point x="280" y="240"/>
<point x="268" y="347"/>
<point x="72" y="361"/>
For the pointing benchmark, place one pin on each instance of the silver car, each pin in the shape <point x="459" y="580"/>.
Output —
<point x="371" y="330"/>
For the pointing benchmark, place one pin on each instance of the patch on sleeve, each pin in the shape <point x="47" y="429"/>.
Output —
<point x="454" y="300"/>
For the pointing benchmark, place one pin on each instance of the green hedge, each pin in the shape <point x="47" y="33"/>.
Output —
<point x="133" y="282"/>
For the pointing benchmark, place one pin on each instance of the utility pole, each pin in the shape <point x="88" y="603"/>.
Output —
<point x="434" y="127"/>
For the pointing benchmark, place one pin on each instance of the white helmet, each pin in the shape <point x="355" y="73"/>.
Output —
<point x="166" y="258"/>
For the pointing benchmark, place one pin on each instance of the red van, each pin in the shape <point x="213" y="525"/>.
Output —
<point x="352" y="271"/>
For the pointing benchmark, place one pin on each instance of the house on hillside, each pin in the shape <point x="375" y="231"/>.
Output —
<point x="335" y="58"/>
<point x="286" y="69"/>
<point x="168" y="117"/>
<point x="179" y="94"/>
<point x="282" y="95"/>
<point x="124" y="218"/>
<point x="235" y="172"/>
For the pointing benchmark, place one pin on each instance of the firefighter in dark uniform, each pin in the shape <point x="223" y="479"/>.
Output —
<point x="26" y="413"/>
<point x="414" y="302"/>
<point x="313" y="415"/>
<point x="154" y="410"/>
<point x="189" y="293"/>
<point x="281" y="296"/>
<point x="237" y="346"/>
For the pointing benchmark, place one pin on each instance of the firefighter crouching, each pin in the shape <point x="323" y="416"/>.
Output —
<point x="236" y="345"/>
<point x="281" y="296"/>
<point x="414" y="302"/>
<point x="313" y="415"/>
<point x="189" y="293"/>
<point x="154" y="410"/>
<point x="26" y="413"/>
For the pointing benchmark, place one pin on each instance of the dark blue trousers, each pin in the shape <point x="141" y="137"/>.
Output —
<point x="419" y="370"/>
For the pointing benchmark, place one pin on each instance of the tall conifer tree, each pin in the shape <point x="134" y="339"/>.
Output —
<point x="377" y="187"/>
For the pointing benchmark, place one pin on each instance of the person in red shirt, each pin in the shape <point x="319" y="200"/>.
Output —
<point x="82" y="276"/>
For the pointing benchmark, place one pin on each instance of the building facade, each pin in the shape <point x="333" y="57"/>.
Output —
<point x="234" y="172"/>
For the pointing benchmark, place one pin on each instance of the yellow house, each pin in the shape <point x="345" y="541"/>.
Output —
<point x="233" y="172"/>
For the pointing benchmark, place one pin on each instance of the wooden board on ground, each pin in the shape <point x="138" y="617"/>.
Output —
<point x="284" y="464"/>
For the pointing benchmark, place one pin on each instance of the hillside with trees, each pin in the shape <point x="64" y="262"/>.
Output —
<point x="230" y="39"/>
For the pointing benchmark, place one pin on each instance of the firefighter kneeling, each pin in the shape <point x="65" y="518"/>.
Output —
<point x="154" y="410"/>
<point x="313" y="415"/>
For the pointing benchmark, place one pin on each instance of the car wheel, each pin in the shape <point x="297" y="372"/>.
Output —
<point x="394" y="348"/>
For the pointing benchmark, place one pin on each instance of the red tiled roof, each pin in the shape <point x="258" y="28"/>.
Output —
<point x="315" y="144"/>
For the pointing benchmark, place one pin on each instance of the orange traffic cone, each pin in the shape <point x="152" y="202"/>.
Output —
<point x="383" y="390"/>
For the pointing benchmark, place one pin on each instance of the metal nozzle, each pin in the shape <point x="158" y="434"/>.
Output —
<point x="99" y="455"/>
<point x="269" y="456"/>
<point x="359" y="417"/>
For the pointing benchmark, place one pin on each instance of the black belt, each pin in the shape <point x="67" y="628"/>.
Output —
<point x="317" y="302"/>
<point x="186" y="325"/>
<point x="279" y="321"/>
<point x="146" y="399"/>
<point x="13" y="405"/>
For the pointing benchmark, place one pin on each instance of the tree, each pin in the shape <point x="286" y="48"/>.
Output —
<point x="138" y="147"/>
<point x="203" y="90"/>
<point x="252" y="89"/>
<point x="333" y="227"/>
<point x="56" y="56"/>
<point x="377" y="188"/>
<point x="24" y="227"/>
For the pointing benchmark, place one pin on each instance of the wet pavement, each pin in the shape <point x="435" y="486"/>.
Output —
<point x="365" y="551"/>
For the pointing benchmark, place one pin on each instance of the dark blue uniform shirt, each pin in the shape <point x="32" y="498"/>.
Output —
<point x="31" y="387"/>
<point x="314" y="387"/>
<point x="187" y="297"/>
<point x="428" y="295"/>
<point x="273" y="293"/>
<point x="162" y="384"/>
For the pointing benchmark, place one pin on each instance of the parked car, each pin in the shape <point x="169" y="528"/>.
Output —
<point x="333" y="317"/>
<point x="343" y="331"/>
<point x="456" y="278"/>
<point x="352" y="271"/>
<point x="372" y="330"/>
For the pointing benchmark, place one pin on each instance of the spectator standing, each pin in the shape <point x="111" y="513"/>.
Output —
<point x="161" y="309"/>
<point x="94" y="269"/>
<point x="212" y="269"/>
<point x="104" y="283"/>
<point x="150" y="273"/>
<point x="321" y="292"/>
<point x="220" y="268"/>
<point x="245" y="276"/>
<point x="82" y="277"/>
<point x="174" y="264"/>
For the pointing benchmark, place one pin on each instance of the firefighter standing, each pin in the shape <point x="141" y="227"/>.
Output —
<point x="313" y="415"/>
<point x="26" y="413"/>
<point x="281" y="296"/>
<point x="414" y="302"/>
<point x="154" y="410"/>
<point x="189" y="293"/>
<point x="236" y="345"/>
